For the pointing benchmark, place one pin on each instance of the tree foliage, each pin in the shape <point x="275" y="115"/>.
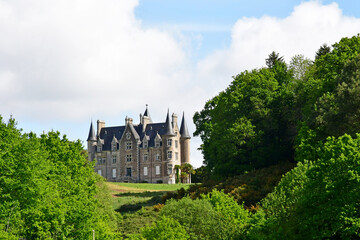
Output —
<point x="318" y="199"/>
<point x="242" y="128"/>
<point x="48" y="189"/>
<point x="267" y="114"/>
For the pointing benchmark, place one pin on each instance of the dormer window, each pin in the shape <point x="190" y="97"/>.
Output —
<point x="113" y="147"/>
<point x="128" y="145"/>
<point x="157" y="143"/>
<point x="145" y="144"/>
<point x="99" y="148"/>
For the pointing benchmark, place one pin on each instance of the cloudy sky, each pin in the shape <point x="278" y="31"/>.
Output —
<point x="64" y="63"/>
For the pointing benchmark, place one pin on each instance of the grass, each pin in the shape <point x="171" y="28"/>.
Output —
<point x="141" y="187"/>
<point x="135" y="202"/>
<point x="132" y="196"/>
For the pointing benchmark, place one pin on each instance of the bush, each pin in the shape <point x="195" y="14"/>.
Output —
<point x="235" y="219"/>
<point x="165" y="229"/>
<point x="198" y="217"/>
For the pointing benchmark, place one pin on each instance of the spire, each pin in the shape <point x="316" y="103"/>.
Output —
<point x="91" y="133"/>
<point x="183" y="128"/>
<point x="168" y="128"/>
<point x="147" y="114"/>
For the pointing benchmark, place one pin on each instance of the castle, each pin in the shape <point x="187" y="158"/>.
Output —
<point x="146" y="152"/>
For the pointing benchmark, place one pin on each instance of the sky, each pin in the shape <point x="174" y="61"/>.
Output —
<point x="65" y="63"/>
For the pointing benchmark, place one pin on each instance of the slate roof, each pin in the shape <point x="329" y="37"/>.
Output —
<point x="151" y="130"/>
<point x="184" y="132"/>
<point x="147" y="113"/>
<point x="91" y="136"/>
<point x="168" y="128"/>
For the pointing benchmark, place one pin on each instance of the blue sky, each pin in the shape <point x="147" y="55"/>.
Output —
<point x="65" y="63"/>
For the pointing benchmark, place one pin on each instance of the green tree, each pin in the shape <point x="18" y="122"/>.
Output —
<point x="49" y="189"/>
<point x="273" y="59"/>
<point x="299" y="65"/>
<point x="250" y="124"/>
<point x="318" y="199"/>
<point x="165" y="229"/>
<point x="198" y="217"/>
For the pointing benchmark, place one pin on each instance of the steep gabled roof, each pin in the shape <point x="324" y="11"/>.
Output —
<point x="183" y="128"/>
<point x="91" y="136"/>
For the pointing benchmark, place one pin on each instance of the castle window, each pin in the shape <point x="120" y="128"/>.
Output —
<point x="157" y="157"/>
<point x="176" y="143"/>
<point x="113" y="147"/>
<point x="157" y="170"/>
<point x="145" y="171"/>
<point x="114" y="159"/>
<point x="99" y="172"/>
<point x="169" y="154"/>
<point x="176" y="156"/>
<point x="145" y="157"/>
<point x="99" y="148"/>
<point x="169" y="142"/>
<point x="145" y="144"/>
<point x="114" y="173"/>
<point x="128" y="146"/>
<point x="128" y="172"/>
<point x="157" y="144"/>
<point x="169" y="169"/>
<point x="128" y="157"/>
<point x="101" y="161"/>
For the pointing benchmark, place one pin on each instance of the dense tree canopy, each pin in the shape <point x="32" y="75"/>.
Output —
<point x="319" y="199"/>
<point x="48" y="188"/>
<point x="267" y="114"/>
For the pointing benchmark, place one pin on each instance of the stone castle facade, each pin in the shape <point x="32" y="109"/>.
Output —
<point x="146" y="152"/>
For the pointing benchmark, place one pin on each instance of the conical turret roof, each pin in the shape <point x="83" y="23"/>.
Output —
<point x="184" y="132"/>
<point x="91" y="136"/>
<point x="168" y="128"/>
<point x="147" y="113"/>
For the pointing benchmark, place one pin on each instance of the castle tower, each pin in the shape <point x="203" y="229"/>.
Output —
<point x="91" y="143"/>
<point x="145" y="119"/>
<point x="184" y="142"/>
<point x="168" y="127"/>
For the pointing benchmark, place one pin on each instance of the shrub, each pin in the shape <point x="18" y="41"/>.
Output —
<point x="165" y="229"/>
<point x="234" y="217"/>
<point x="198" y="217"/>
<point x="158" y="207"/>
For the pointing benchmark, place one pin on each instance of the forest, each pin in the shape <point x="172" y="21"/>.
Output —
<point x="281" y="161"/>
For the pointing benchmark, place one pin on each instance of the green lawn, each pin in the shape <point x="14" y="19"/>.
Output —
<point x="132" y="196"/>
<point x="136" y="187"/>
<point x="135" y="202"/>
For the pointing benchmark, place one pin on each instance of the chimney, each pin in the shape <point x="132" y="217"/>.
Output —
<point x="100" y="125"/>
<point x="174" y="120"/>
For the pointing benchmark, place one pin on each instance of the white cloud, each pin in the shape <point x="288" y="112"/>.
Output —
<point x="253" y="39"/>
<point x="70" y="60"/>
<point x="84" y="55"/>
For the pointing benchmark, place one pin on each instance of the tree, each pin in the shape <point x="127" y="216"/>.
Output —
<point x="165" y="228"/>
<point x="186" y="171"/>
<point x="48" y="188"/>
<point x="318" y="199"/>
<point x="247" y="126"/>
<point x="273" y="59"/>
<point x="323" y="50"/>
<point x="299" y="65"/>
